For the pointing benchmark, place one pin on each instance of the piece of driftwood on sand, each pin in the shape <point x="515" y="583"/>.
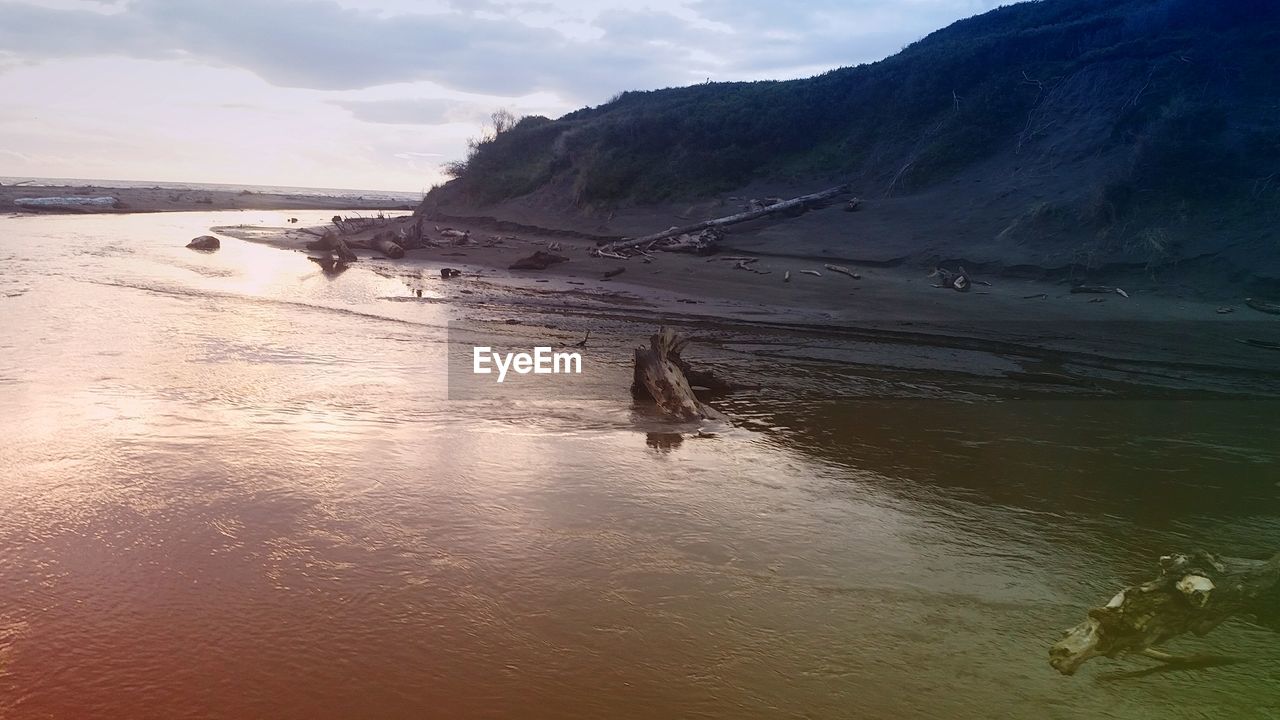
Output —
<point x="539" y="260"/>
<point x="1098" y="290"/>
<point x="843" y="271"/>
<point x="386" y="242"/>
<point x="804" y="202"/>
<point x="1194" y="593"/>
<point x="947" y="279"/>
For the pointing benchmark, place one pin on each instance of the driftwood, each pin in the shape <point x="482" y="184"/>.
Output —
<point x="412" y="237"/>
<point x="706" y="242"/>
<point x="664" y="377"/>
<point x="1194" y="594"/>
<point x="539" y="260"/>
<point x="329" y="264"/>
<point x="958" y="281"/>
<point x="1099" y="290"/>
<point x="660" y="380"/>
<point x="843" y="271"/>
<point x="385" y="243"/>
<point x="331" y="243"/>
<point x="801" y="203"/>
<point x="353" y="225"/>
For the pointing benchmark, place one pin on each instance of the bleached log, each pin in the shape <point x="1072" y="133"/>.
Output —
<point x="799" y="203"/>
<point x="843" y="271"/>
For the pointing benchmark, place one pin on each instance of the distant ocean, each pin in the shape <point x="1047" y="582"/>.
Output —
<point x="273" y="189"/>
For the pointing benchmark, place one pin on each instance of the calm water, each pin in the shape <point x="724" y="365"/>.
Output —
<point x="232" y="487"/>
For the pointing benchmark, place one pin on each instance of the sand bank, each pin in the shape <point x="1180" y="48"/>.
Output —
<point x="28" y="198"/>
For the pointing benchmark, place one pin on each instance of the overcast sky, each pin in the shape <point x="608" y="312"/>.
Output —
<point x="376" y="94"/>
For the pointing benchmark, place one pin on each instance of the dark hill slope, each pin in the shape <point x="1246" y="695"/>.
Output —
<point x="1117" y="133"/>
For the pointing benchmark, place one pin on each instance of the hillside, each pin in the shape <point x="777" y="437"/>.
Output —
<point x="1064" y="135"/>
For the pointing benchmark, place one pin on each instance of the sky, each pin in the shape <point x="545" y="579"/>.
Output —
<point x="377" y="94"/>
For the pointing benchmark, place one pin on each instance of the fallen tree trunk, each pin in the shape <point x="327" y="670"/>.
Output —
<point x="1193" y="594"/>
<point x="800" y="203"/>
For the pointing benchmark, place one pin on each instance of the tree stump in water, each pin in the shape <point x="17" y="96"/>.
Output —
<point x="1194" y="593"/>
<point x="660" y="379"/>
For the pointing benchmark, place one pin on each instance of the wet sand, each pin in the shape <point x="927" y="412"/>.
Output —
<point x="1059" y="337"/>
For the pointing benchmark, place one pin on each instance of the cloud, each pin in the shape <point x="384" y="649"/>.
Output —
<point x="415" y="111"/>
<point x="489" y="47"/>
<point x="319" y="44"/>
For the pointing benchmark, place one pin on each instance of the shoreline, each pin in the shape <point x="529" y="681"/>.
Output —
<point x="179" y="199"/>
<point x="1052" y="334"/>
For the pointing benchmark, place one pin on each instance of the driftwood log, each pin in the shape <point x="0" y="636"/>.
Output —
<point x="664" y="377"/>
<point x="1098" y="290"/>
<point x="329" y="264"/>
<point x="1194" y="594"/>
<point x="539" y="260"/>
<point x="843" y="271"/>
<point x="386" y="243"/>
<point x="801" y="203"/>
<point x="958" y="281"/>
<point x="331" y="243"/>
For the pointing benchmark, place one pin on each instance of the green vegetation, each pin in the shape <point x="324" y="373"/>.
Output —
<point x="1184" y="90"/>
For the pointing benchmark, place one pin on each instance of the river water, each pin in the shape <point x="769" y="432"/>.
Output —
<point x="233" y="487"/>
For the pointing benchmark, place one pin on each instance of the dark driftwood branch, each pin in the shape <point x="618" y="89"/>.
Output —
<point x="1194" y="594"/>
<point x="799" y="203"/>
